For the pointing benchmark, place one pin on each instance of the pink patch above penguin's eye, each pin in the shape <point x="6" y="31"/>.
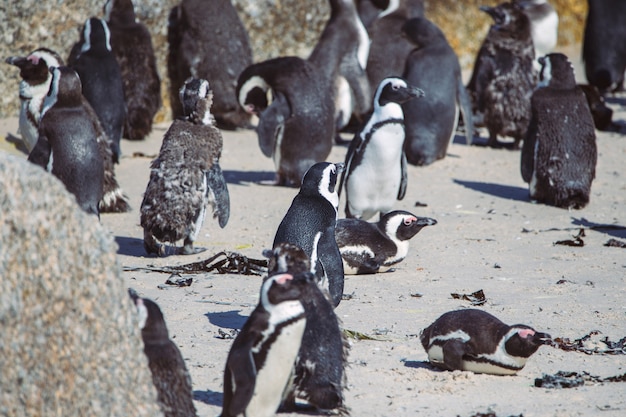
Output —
<point x="409" y="220"/>
<point x="525" y="333"/>
<point x="281" y="279"/>
<point x="34" y="59"/>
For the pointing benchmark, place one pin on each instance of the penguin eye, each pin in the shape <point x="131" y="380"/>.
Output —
<point x="407" y="221"/>
<point x="395" y="86"/>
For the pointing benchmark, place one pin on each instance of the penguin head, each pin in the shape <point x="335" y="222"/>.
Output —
<point x="253" y="93"/>
<point x="522" y="341"/>
<point x="395" y="90"/>
<point x="65" y="89"/>
<point x="403" y="225"/>
<point x="119" y="11"/>
<point x="421" y="32"/>
<point x="282" y="288"/>
<point x="321" y="180"/>
<point x="95" y="36"/>
<point x="509" y="19"/>
<point x="151" y="320"/>
<point x="197" y="98"/>
<point x="34" y="67"/>
<point x="556" y="72"/>
<point x="287" y="257"/>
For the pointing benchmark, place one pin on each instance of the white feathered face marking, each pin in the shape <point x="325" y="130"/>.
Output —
<point x="254" y="95"/>
<point x="545" y="76"/>
<point x="53" y="92"/>
<point x="328" y="184"/>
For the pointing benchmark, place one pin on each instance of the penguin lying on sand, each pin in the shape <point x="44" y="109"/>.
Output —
<point x="320" y="367"/>
<point x="169" y="373"/>
<point x="262" y="357"/>
<point x="186" y="176"/>
<point x="474" y="340"/>
<point x="368" y="248"/>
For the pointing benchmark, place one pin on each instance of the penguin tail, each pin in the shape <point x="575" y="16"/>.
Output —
<point x="114" y="201"/>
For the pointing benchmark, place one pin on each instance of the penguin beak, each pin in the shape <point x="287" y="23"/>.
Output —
<point x="18" y="61"/>
<point x="416" y="92"/>
<point x="340" y="167"/>
<point x="493" y="12"/>
<point x="543" y="338"/>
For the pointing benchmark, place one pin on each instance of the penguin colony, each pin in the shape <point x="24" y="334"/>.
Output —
<point x="387" y="54"/>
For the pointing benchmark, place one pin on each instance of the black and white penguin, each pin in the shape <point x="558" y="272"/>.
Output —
<point x="604" y="44"/>
<point x="186" y="176"/>
<point x="310" y="224"/>
<point x="169" y="372"/>
<point x="208" y="40"/>
<point x="67" y="145"/>
<point x="34" y="87"/>
<point x="503" y="78"/>
<point x="559" y="154"/>
<point x="320" y="367"/>
<point x="131" y="43"/>
<point x="474" y="340"/>
<point x="296" y="125"/>
<point x="101" y="79"/>
<point x="544" y="26"/>
<point x="430" y="125"/>
<point x="369" y="248"/>
<point x="261" y="360"/>
<point x="375" y="173"/>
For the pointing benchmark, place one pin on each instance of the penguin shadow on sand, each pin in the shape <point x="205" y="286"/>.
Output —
<point x="18" y="143"/>
<point x="248" y="177"/>
<point x="613" y="230"/>
<point x="130" y="246"/>
<point x="508" y="192"/>
<point x="421" y="365"/>
<point x="209" y="397"/>
<point x="227" y="319"/>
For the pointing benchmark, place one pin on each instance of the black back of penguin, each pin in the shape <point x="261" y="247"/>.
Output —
<point x="310" y="224"/>
<point x="131" y="43"/>
<point x="101" y="78"/>
<point x="559" y="153"/>
<point x="169" y="372"/>
<point x="68" y="141"/>
<point x="430" y="124"/>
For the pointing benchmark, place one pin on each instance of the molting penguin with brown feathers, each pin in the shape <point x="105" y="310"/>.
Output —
<point x="503" y="78"/>
<point x="186" y="176"/>
<point x="169" y="372"/>
<point x="131" y="43"/>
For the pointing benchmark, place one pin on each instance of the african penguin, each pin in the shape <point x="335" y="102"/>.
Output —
<point x="375" y="173"/>
<point x="559" y="153"/>
<point x="169" y="372"/>
<point x="101" y="78"/>
<point x="186" y="176"/>
<point x="310" y="224"/>
<point x="369" y="248"/>
<point x="430" y="124"/>
<point x="604" y="44"/>
<point x="67" y="145"/>
<point x="320" y="367"/>
<point x="296" y="126"/>
<point x="503" y="78"/>
<point x="474" y="340"/>
<point x="208" y="40"/>
<point x="262" y="357"/>
<point x="131" y="43"/>
<point x="34" y="87"/>
<point x="544" y="26"/>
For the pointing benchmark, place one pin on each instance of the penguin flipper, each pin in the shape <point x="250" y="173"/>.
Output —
<point x="355" y="144"/>
<point x="217" y="185"/>
<point x="453" y="352"/>
<point x="40" y="155"/>
<point x="466" y="110"/>
<point x="243" y="371"/>
<point x="528" y="150"/>
<point x="404" y="178"/>
<point x="272" y="123"/>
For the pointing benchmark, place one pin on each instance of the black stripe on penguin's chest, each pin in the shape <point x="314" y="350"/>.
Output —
<point x="264" y="345"/>
<point x="377" y="126"/>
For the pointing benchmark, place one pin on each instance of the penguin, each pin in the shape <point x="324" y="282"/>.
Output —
<point x="474" y="340"/>
<point x="262" y="357"/>
<point x="131" y="43"/>
<point x="296" y="125"/>
<point x="369" y="248"/>
<point x="34" y="87"/>
<point x="67" y="145"/>
<point x="559" y="154"/>
<point x="310" y="224"/>
<point x="604" y="44"/>
<point x="101" y="79"/>
<point x="602" y="114"/>
<point x="375" y="168"/>
<point x="544" y="26"/>
<point x="186" y="176"/>
<point x="208" y="40"/>
<point x="430" y="125"/>
<point x="319" y="377"/>
<point x="503" y="78"/>
<point x="169" y="372"/>
<point x="388" y="47"/>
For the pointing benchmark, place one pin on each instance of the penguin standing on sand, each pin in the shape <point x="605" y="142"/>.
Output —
<point x="544" y="26"/>
<point x="296" y="125"/>
<point x="208" y="40"/>
<point x="430" y="125"/>
<point x="101" y="78"/>
<point x="169" y="372"/>
<point x="310" y="224"/>
<point x="320" y="367"/>
<point x="369" y="248"/>
<point x="262" y="357"/>
<point x="375" y="173"/>
<point x="559" y="154"/>
<point x="503" y="78"/>
<point x="186" y="176"/>
<point x="67" y="144"/>
<point x="131" y="43"/>
<point x="474" y="340"/>
<point x="34" y="87"/>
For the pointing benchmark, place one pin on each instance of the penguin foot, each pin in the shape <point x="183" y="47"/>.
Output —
<point x="152" y="247"/>
<point x="188" y="249"/>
